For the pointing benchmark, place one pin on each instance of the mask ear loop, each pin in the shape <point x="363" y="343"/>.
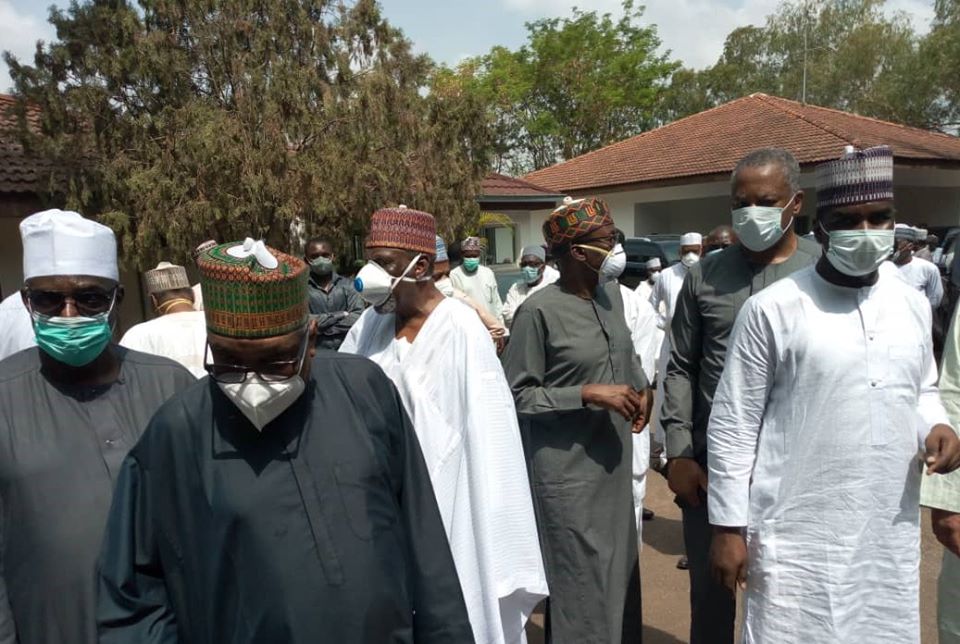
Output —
<point x="403" y="276"/>
<point x="789" y="223"/>
<point x="599" y="250"/>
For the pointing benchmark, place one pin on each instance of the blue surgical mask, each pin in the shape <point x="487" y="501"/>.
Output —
<point x="75" y="341"/>
<point x="530" y="274"/>
<point x="471" y="264"/>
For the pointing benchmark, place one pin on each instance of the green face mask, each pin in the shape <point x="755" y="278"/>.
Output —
<point x="321" y="266"/>
<point x="471" y="263"/>
<point x="74" y="341"/>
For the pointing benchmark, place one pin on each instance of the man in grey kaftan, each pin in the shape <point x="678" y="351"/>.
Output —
<point x="579" y="458"/>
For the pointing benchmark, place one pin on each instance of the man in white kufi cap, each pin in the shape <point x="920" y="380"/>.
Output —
<point x="825" y="412"/>
<point x="179" y="332"/>
<point x="72" y="407"/>
<point x="645" y="288"/>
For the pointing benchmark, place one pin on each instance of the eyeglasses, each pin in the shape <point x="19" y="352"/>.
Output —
<point x="233" y="374"/>
<point x="91" y="301"/>
<point x="610" y="239"/>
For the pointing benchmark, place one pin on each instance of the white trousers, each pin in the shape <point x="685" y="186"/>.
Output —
<point x="641" y="463"/>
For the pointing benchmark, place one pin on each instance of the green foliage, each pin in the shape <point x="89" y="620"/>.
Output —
<point x="579" y="83"/>
<point x="856" y="58"/>
<point x="177" y="121"/>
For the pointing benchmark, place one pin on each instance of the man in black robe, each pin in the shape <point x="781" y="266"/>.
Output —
<point x="70" y="409"/>
<point x="281" y="500"/>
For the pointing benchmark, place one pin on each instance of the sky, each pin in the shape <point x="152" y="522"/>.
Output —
<point x="450" y="30"/>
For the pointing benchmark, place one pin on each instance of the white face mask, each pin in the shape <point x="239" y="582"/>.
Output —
<point x="689" y="259"/>
<point x="858" y="252"/>
<point x="613" y="264"/>
<point x="654" y="277"/>
<point x="375" y="285"/>
<point x="758" y="227"/>
<point x="262" y="401"/>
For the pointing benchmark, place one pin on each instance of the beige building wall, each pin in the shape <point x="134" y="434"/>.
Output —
<point x="923" y="195"/>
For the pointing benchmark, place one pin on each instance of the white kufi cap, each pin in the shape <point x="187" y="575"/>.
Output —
<point x="691" y="239"/>
<point x="59" y="242"/>
<point x="653" y="262"/>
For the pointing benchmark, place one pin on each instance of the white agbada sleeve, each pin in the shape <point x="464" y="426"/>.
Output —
<point x="656" y="297"/>
<point x="16" y="327"/>
<point x="737" y="416"/>
<point x="934" y="286"/>
<point x="494" y="304"/>
<point x="513" y="301"/>
<point x="929" y="406"/>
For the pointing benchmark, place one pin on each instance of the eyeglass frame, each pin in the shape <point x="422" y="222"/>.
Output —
<point x="243" y="369"/>
<point x="110" y="294"/>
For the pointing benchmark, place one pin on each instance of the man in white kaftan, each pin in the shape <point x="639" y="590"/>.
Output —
<point x="478" y="282"/>
<point x="646" y="337"/>
<point x="16" y="329"/>
<point x="664" y="303"/>
<point x="462" y="409"/>
<point x="827" y="398"/>
<point x="180" y="331"/>
<point x="918" y="272"/>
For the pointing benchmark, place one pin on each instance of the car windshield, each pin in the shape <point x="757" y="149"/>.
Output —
<point x="671" y="248"/>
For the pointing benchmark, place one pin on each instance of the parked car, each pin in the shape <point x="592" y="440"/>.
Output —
<point x="641" y="249"/>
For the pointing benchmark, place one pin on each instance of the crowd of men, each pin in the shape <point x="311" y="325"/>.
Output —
<point x="284" y="454"/>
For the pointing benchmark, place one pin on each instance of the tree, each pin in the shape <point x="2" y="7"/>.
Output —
<point x="180" y="121"/>
<point x="579" y="83"/>
<point x="846" y="54"/>
<point x="940" y="57"/>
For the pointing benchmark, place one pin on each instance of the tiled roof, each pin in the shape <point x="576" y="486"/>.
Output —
<point x="712" y="142"/>
<point x="500" y="185"/>
<point x="18" y="171"/>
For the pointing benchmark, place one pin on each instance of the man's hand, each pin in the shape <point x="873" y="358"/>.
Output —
<point x="686" y="478"/>
<point x="942" y="450"/>
<point x="623" y="399"/>
<point x="946" y="527"/>
<point x="728" y="558"/>
<point x="643" y="418"/>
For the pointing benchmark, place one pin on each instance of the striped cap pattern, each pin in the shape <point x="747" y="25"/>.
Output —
<point x="857" y="177"/>
<point x="575" y="219"/>
<point x="244" y="299"/>
<point x="403" y="228"/>
<point x="166" y="277"/>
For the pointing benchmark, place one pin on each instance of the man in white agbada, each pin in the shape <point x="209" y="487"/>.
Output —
<point x="533" y="266"/>
<point x="179" y="331"/>
<point x="478" y="282"/>
<point x="664" y="302"/>
<point x="916" y="271"/>
<point x="16" y="329"/>
<point x="827" y="399"/>
<point x="440" y="357"/>
<point x="645" y="288"/>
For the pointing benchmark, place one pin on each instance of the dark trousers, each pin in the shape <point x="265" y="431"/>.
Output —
<point x="713" y="609"/>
